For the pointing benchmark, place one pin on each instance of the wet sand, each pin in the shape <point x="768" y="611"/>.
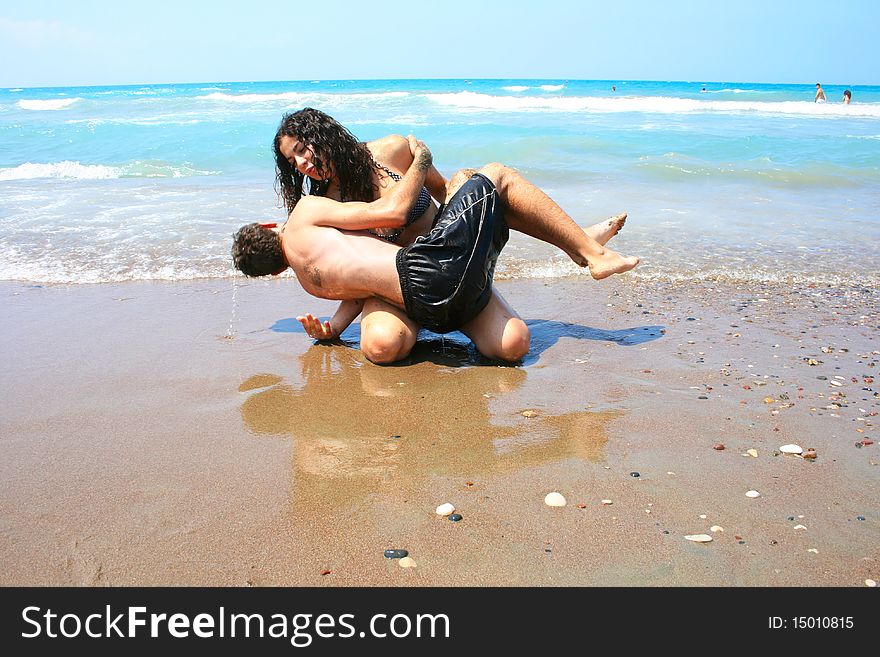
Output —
<point x="186" y="434"/>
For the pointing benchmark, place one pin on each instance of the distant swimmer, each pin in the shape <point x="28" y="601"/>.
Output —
<point x="703" y="90"/>
<point x="847" y="96"/>
<point x="820" y="94"/>
<point x="613" y="88"/>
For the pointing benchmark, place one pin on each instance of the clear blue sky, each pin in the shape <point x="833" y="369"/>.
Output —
<point x="92" y="42"/>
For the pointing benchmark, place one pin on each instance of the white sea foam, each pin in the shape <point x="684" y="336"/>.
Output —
<point x="15" y="90"/>
<point x="515" y="87"/>
<point x="477" y="102"/>
<point x="42" y="105"/>
<point x="77" y="171"/>
<point x="294" y="97"/>
<point x="552" y="87"/>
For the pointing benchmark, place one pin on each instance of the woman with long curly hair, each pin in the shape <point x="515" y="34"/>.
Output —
<point x="312" y="148"/>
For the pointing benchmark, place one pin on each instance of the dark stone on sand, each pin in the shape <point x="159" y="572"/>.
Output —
<point x="791" y="517"/>
<point x="395" y="554"/>
<point x="860" y="517"/>
<point x="394" y="437"/>
<point x="634" y="474"/>
<point x="455" y="517"/>
<point x="822" y="378"/>
<point x="702" y="397"/>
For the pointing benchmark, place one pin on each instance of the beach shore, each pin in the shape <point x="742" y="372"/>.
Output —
<point x="190" y="433"/>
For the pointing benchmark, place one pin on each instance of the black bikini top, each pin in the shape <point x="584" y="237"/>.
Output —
<point x="422" y="203"/>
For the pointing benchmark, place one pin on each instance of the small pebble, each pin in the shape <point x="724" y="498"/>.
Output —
<point x="799" y="527"/>
<point x="445" y="509"/>
<point x="791" y="449"/>
<point x="716" y="528"/>
<point x="581" y="506"/>
<point x="860" y="517"/>
<point x="753" y="493"/>
<point x="702" y="397"/>
<point x="698" y="538"/>
<point x="634" y="474"/>
<point x="395" y="554"/>
<point x="870" y="582"/>
<point x="718" y="446"/>
<point x="752" y="452"/>
<point x="554" y="499"/>
<point x="607" y="502"/>
<point x="407" y="562"/>
<point x="455" y="517"/>
<point x="325" y="572"/>
<point x="813" y="550"/>
<point x="529" y="413"/>
<point x="810" y="453"/>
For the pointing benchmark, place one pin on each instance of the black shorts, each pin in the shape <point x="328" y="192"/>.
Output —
<point x="446" y="275"/>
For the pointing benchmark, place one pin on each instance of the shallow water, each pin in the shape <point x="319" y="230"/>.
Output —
<point x="743" y="182"/>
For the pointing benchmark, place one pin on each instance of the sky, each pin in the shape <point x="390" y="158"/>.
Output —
<point x="100" y="42"/>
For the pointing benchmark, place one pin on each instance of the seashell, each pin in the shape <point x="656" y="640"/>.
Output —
<point x="698" y="538"/>
<point x="607" y="502"/>
<point x="445" y="509"/>
<point x="407" y="562"/>
<point x="836" y="384"/>
<point x="870" y="582"/>
<point x="753" y="493"/>
<point x="799" y="527"/>
<point x="529" y="413"/>
<point x="716" y="528"/>
<point x="752" y="452"/>
<point x="791" y="449"/>
<point x="554" y="499"/>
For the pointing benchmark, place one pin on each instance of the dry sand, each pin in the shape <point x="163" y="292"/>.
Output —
<point x="164" y="433"/>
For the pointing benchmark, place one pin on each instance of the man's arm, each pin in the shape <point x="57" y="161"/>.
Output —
<point x="387" y="212"/>
<point x="329" y="330"/>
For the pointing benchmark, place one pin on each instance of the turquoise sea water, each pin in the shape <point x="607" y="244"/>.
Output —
<point x="743" y="181"/>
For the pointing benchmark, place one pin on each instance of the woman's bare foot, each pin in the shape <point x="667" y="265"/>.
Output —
<point x="605" y="230"/>
<point x="610" y="262"/>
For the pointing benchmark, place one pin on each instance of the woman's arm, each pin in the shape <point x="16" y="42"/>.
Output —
<point x="387" y="212"/>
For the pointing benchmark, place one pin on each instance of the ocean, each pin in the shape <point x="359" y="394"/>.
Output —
<point x="743" y="182"/>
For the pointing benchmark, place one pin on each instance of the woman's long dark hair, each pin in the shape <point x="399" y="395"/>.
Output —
<point x="331" y="142"/>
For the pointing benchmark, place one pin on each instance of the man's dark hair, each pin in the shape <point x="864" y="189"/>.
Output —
<point x="331" y="143"/>
<point x="847" y="93"/>
<point x="256" y="251"/>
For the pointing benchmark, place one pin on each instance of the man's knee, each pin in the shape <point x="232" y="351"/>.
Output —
<point x="514" y="345"/>
<point x="383" y="346"/>
<point x="458" y="179"/>
<point x="516" y="341"/>
<point x="495" y="171"/>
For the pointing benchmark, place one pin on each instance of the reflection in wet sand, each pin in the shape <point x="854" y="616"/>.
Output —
<point x="357" y="427"/>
